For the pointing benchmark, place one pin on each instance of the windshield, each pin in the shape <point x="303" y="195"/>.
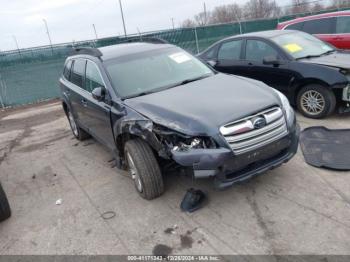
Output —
<point x="153" y="71"/>
<point x="301" y="45"/>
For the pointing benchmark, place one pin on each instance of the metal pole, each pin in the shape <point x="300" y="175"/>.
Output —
<point x="172" y="22"/>
<point x="93" y="25"/>
<point x="239" y="22"/>
<point x="48" y="34"/>
<point x="205" y="14"/>
<point x="121" y="11"/>
<point x="138" y="30"/>
<point x="19" y="51"/>
<point x="196" y="36"/>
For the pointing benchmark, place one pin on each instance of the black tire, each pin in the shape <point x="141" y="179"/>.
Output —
<point x="79" y="133"/>
<point x="5" y="211"/>
<point x="147" y="168"/>
<point x="328" y="104"/>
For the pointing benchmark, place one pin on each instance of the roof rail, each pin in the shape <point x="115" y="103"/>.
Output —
<point x="152" y="40"/>
<point x="86" y="51"/>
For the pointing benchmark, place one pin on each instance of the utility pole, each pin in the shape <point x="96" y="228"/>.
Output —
<point x="121" y="11"/>
<point x="205" y="14"/>
<point x="48" y="34"/>
<point x="172" y="22"/>
<point x="15" y="39"/>
<point x="93" y="25"/>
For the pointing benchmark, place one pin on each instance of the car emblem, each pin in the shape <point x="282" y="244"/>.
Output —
<point x="259" y="123"/>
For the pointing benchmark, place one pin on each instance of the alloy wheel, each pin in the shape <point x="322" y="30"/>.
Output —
<point x="313" y="102"/>
<point x="134" y="174"/>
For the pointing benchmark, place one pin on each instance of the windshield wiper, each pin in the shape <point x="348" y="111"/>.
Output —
<point x="184" y="82"/>
<point x="328" y="52"/>
<point x="139" y="94"/>
<point x="312" y="56"/>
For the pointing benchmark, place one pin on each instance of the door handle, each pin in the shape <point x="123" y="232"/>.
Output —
<point x="84" y="102"/>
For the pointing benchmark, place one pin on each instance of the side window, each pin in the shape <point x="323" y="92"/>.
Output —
<point x="66" y="70"/>
<point x="319" y="26"/>
<point x="343" y="24"/>
<point x="93" y="78"/>
<point x="256" y="50"/>
<point x="78" y="71"/>
<point x="230" y="50"/>
<point x="210" y="54"/>
<point x="297" y="26"/>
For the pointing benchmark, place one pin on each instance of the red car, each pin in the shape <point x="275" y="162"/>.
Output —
<point x="333" y="28"/>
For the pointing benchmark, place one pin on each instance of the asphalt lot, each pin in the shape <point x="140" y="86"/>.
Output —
<point x="295" y="209"/>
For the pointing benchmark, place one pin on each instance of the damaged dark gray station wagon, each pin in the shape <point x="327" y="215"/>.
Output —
<point x="151" y="103"/>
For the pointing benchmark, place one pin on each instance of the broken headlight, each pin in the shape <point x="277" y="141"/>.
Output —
<point x="181" y="142"/>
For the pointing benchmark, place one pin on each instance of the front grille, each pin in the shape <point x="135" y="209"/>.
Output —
<point x="255" y="131"/>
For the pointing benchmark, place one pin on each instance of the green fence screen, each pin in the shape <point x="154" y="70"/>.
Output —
<point x="31" y="75"/>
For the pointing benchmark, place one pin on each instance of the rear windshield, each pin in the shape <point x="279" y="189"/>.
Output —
<point x="154" y="70"/>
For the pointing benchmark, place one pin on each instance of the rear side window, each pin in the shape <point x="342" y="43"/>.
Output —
<point x="66" y="70"/>
<point x="297" y="26"/>
<point x="93" y="78"/>
<point x="78" y="72"/>
<point x="319" y="26"/>
<point x="343" y="24"/>
<point x="257" y="50"/>
<point x="230" y="50"/>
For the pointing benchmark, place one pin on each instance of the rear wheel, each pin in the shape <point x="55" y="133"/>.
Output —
<point x="5" y="211"/>
<point x="79" y="133"/>
<point x="316" y="101"/>
<point x="144" y="169"/>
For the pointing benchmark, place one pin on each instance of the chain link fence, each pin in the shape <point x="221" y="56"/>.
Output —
<point x="31" y="75"/>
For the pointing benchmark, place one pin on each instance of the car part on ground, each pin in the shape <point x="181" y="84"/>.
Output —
<point x="150" y="103"/>
<point x="193" y="200"/>
<point x="326" y="148"/>
<point x="289" y="61"/>
<point x="5" y="211"/>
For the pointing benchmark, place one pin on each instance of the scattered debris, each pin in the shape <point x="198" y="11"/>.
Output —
<point x="59" y="201"/>
<point x="161" y="250"/>
<point x="33" y="176"/>
<point x="169" y="230"/>
<point x="108" y="215"/>
<point x="87" y="144"/>
<point x="193" y="200"/>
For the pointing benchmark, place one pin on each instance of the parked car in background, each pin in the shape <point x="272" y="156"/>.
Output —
<point x="311" y="73"/>
<point x="151" y="102"/>
<point x="5" y="211"/>
<point x="333" y="28"/>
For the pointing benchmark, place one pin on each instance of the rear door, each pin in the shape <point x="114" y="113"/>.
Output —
<point x="342" y="37"/>
<point x="229" y="58"/>
<point x="77" y="93"/>
<point x="277" y="76"/>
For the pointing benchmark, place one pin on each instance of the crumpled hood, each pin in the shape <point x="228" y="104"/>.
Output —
<point x="338" y="59"/>
<point x="201" y="107"/>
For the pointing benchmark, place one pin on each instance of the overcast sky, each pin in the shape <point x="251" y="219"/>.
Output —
<point x="70" y="20"/>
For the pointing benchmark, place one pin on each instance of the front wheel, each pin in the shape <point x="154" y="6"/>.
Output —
<point x="144" y="169"/>
<point x="316" y="101"/>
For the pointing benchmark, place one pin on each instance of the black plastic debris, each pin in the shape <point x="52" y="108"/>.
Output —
<point x="193" y="200"/>
<point x="323" y="147"/>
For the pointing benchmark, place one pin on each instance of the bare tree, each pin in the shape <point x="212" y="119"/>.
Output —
<point x="201" y="19"/>
<point x="226" y="14"/>
<point x="299" y="7"/>
<point x="340" y="4"/>
<point x="188" y="23"/>
<point x="261" y="9"/>
<point x="317" y="7"/>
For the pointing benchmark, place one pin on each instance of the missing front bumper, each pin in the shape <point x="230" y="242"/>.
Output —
<point x="229" y="169"/>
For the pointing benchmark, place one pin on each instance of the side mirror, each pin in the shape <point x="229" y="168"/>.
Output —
<point x="271" y="60"/>
<point x="212" y="63"/>
<point x="98" y="93"/>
